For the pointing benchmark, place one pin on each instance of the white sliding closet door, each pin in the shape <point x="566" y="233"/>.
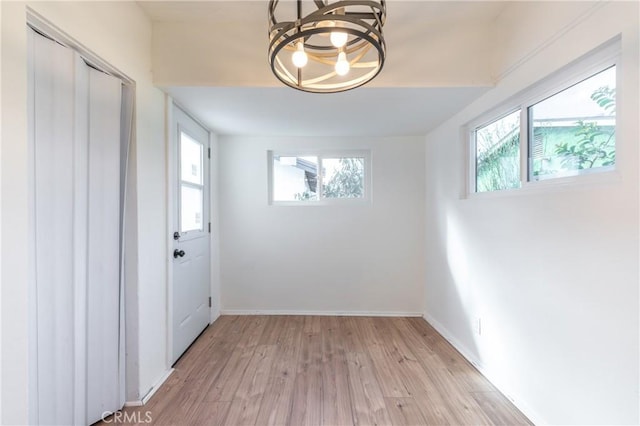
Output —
<point x="55" y="229"/>
<point x="76" y="136"/>
<point x="103" y="290"/>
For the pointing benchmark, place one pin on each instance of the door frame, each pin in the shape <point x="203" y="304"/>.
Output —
<point x="171" y="129"/>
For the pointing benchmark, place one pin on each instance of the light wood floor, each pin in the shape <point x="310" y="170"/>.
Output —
<point x="295" y="370"/>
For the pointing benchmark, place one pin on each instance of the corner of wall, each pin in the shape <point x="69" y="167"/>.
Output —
<point x="484" y="259"/>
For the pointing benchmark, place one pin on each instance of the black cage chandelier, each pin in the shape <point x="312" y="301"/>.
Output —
<point x="334" y="47"/>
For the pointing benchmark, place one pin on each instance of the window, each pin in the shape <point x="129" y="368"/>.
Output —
<point x="498" y="154"/>
<point x="574" y="131"/>
<point x="308" y="178"/>
<point x="191" y="184"/>
<point x="563" y="126"/>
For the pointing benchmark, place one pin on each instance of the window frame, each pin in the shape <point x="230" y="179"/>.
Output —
<point x="590" y="64"/>
<point x="473" y="170"/>
<point x="321" y="154"/>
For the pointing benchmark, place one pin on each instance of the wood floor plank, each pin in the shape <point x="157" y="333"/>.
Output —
<point x="499" y="409"/>
<point x="248" y="397"/>
<point x="423" y="347"/>
<point x="384" y="365"/>
<point x="273" y="329"/>
<point x="336" y="399"/>
<point x="224" y="388"/>
<point x="369" y="407"/>
<point x="334" y="371"/>
<point x="446" y="387"/>
<point x="192" y="375"/>
<point x="404" y="411"/>
<point x="306" y="406"/>
<point x="434" y="409"/>
<point x="312" y="324"/>
<point x="408" y="367"/>
<point x="252" y="332"/>
<point x="276" y="405"/>
<point x="208" y="413"/>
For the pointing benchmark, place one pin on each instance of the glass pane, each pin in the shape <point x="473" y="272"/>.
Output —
<point x="498" y="154"/>
<point x="574" y="130"/>
<point x="190" y="159"/>
<point x="295" y="178"/>
<point x="343" y="177"/>
<point x="191" y="203"/>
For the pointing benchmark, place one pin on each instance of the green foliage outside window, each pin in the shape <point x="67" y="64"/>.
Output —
<point x="592" y="145"/>
<point x="499" y="168"/>
<point x="347" y="181"/>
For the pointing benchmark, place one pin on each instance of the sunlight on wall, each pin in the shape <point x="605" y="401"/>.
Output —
<point x="456" y="254"/>
<point x="486" y="330"/>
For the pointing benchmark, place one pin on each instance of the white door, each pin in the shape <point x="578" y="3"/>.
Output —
<point x="191" y="232"/>
<point x="75" y="132"/>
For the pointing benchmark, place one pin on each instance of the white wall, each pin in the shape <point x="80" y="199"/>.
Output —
<point x="330" y="259"/>
<point x="120" y="33"/>
<point x="552" y="273"/>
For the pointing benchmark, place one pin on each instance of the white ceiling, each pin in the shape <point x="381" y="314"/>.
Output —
<point x="429" y="12"/>
<point x="360" y="112"/>
<point x="425" y="38"/>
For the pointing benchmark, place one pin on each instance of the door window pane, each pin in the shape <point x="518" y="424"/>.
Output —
<point x="190" y="159"/>
<point x="574" y="131"/>
<point x="498" y="154"/>
<point x="191" y="208"/>
<point x="343" y="177"/>
<point x="295" y="178"/>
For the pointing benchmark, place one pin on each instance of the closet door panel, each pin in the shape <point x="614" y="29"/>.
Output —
<point x="54" y="228"/>
<point x="103" y="293"/>
<point x="81" y="217"/>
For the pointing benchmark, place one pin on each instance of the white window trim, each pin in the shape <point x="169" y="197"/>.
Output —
<point x="344" y="153"/>
<point x="599" y="59"/>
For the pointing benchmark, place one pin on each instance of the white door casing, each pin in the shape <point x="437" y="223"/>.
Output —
<point x="189" y="253"/>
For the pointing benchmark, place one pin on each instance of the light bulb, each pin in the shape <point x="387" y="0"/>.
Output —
<point x="338" y="38"/>
<point x="342" y="65"/>
<point x="299" y="57"/>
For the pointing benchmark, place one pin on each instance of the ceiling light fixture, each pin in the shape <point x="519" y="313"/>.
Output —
<point x="335" y="47"/>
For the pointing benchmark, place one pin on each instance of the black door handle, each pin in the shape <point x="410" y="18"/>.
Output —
<point x="178" y="253"/>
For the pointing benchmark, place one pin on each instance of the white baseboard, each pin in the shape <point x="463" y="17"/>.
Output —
<point x="524" y="408"/>
<point x="152" y="391"/>
<point x="320" y="313"/>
